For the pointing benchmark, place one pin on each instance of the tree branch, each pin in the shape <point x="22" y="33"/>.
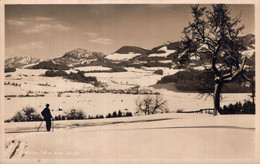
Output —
<point x="227" y="79"/>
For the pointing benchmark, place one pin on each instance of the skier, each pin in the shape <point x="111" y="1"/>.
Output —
<point x="46" y="113"/>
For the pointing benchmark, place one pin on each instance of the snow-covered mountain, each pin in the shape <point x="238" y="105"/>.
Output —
<point x="163" y="55"/>
<point x="127" y="53"/>
<point x="249" y="40"/>
<point x="79" y="56"/>
<point x="21" y="61"/>
<point x="80" y="53"/>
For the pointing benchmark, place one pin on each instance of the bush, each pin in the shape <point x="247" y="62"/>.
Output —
<point x="129" y="114"/>
<point x="158" y="72"/>
<point x="114" y="114"/>
<point x="97" y="117"/>
<point x="19" y="117"/>
<point x="179" y="111"/>
<point x="118" y="69"/>
<point x="10" y="70"/>
<point x="238" y="108"/>
<point x="119" y="113"/>
<point x="27" y="114"/>
<point x="60" y="117"/>
<point x="76" y="115"/>
<point x="249" y="107"/>
<point x="109" y="115"/>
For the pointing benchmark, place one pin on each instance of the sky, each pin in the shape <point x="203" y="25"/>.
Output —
<point x="48" y="31"/>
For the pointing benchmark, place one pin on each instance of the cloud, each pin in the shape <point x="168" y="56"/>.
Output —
<point x="44" y="18"/>
<point x="44" y="27"/>
<point x="37" y="24"/>
<point x="91" y="34"/>
<point x="37" y="18"/>
<point x="15" y="22"/>
<point x="26" y="20"/>
<point x="31" y="45"/>
<point x="102" y="41"/>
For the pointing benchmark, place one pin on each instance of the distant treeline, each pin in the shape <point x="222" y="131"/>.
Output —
<point x="203" y="82"/>
<point x="30" y="114"/>
<point x="79" y="76"/>
<point x="50" y="65"/>
<point x="247" y="107"/>
<point x="10" y="70"/>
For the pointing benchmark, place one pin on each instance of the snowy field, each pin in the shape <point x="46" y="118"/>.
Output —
<point x="162" y="136"/>
<point x="92" y="68"/>
<point x="31" y="81"/>
<point x="119" y="56"/>
<point x="104" y="103"/>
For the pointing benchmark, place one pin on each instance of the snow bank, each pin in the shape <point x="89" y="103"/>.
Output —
<point x="201" y="68"/>
<point x="166" y="71"/>
<point x="195" y="58"/>
<point x="118" y="56"/>
<point x="164" y="48"/>
<point x="165" y="61"/>
<point x="93" y="68"/>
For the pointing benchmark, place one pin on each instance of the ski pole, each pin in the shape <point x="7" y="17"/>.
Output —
<point x="53" y="125"/>
<point x="39" y="126"/>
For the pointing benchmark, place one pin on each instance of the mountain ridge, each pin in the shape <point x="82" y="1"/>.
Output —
<point x="132" y="54"/>
<point x="20" y="61"/>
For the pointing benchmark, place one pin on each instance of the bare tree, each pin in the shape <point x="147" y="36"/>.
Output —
<point x="151" y="104"/>
<point x="214" y="34"/>
<point x="159" y="104"/>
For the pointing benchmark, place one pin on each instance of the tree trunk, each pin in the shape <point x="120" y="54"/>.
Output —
<point x="147" y="110"/>
<point x="217" y="91"/>
<point x="154" y="109"/>
<point x="253" y="90"/>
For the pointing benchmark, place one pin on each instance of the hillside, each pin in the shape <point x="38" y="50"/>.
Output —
<point x="248" y="40"/>
<point x="127" y="53"/>
<point x="79" y="57"/>
<point x="134" y="49"/>
<point x="82" y="53"/>
<point x="21" y="61"/>
<point x="49" y="65"/>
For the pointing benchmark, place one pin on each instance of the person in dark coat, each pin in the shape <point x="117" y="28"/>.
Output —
<point x="46" y="113"/>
